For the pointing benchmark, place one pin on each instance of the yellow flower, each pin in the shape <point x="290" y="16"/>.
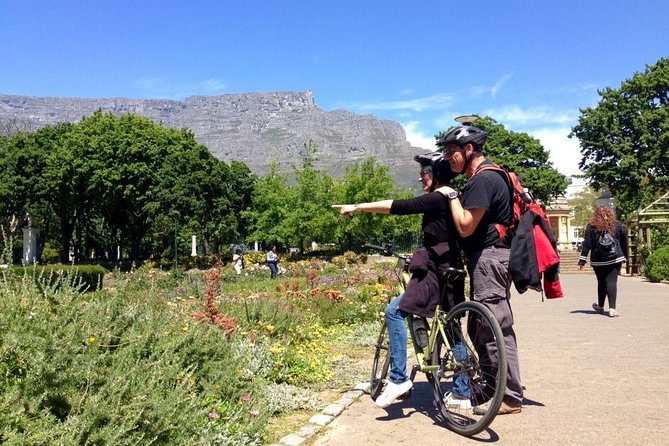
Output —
<point x="276" y="348"/>
<point x="91" y="339"/>
<point x="269" y="328"/>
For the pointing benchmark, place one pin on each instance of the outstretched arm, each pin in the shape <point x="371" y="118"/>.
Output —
<point x="378" y="207"/>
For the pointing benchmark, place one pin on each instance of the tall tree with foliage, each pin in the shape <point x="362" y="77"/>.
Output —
<point x="365" y="182"/>
<point x="121" y="181"/>
<point x="269" y="208"/>
<point x="625" y="139"/>
<point x="523" y="154"/>
<point x="583" y="205"/>
<point x="310" y="217"/>
<point x="22" y="162"/>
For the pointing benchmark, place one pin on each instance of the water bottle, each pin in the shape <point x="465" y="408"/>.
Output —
<point x="420" y="332"/>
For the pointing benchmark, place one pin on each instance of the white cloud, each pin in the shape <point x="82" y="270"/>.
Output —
<point x="478" y="91"/>
<point x="418" y="139"/>
<point x="535" y="116"/>
<point x="565" y="153"/>
<point x="435" y="102"/>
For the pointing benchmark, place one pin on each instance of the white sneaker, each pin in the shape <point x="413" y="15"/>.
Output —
<point x="393" y="391"/>
<point x="457" y="402"/>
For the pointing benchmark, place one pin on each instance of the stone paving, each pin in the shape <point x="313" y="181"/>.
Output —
<point x="588" y="379"/>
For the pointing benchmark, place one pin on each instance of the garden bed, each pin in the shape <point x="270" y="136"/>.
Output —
<point x="199" y="357"/>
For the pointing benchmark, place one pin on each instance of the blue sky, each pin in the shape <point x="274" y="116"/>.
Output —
<point x="529" y="64"/>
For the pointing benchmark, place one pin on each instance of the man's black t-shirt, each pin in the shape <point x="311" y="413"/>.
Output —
<point x="487" y="190"/>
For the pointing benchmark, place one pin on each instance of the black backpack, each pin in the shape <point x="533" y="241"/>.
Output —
<point x="607" y="245"/>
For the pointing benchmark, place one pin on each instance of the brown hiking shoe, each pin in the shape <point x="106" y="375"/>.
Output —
<point x="504" y="409"/>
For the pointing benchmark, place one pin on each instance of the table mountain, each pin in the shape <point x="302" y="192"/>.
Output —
<point x="255" y="128"/>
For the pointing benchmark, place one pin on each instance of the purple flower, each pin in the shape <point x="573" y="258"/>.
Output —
<point x="214" y="415"/>
<point x="254" y="412"/>
<point x="246" y="398"/>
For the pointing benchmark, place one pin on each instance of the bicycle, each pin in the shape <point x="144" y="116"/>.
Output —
<point x="445" y="352"/>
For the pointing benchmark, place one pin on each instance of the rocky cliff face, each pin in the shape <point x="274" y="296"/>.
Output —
<point x="255" y="128"/>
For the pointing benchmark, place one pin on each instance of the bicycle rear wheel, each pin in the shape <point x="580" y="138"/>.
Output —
<point x="474" y="367"/>
<point x="381" y="362"/>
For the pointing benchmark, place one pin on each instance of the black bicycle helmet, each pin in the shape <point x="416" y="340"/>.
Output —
<point x="441" y="168"/>
<point x="464" y="135"/>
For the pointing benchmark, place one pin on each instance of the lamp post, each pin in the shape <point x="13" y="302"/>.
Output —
<point x="606" y="200"/>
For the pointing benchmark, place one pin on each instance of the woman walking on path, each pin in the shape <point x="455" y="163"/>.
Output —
<point x="606" y="241"/>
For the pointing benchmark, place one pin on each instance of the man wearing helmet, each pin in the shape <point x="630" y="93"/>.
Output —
<point x="441" y="250"/>
<point x="484" y="202"/>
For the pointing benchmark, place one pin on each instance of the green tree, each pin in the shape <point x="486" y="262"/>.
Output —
<point x="121" y="180"/>
<point x="583" y="205"/>
<point x="22" y="161"/>
<point x="625" y="139"/>
<point x="365" y="182"/>
<point x="32" y="185"/>
<point x="523" y="154"/>
<point x="270" y="207"/>
<point x="205" y="195"/>
<point x="310" y="217"/>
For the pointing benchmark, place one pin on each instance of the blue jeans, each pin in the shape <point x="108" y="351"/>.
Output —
<point x="397" y="340"/>
<point x="274" y="269"/>
<point x="460" y="382"/>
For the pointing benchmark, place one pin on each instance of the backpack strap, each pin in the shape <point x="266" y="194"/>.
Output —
<point x="501" y="228"/>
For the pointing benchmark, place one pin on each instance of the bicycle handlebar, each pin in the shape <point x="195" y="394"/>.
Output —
<point x="384" y="250"/>
<point x="449" y="272"/>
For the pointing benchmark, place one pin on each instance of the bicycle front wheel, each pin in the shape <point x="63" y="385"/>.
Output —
<point x="381" y="362"/>
<point x="472" y="368"/>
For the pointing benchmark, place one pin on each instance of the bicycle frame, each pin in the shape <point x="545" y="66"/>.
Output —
<point x="464" y="345"/>
<point x="435" y="327"/>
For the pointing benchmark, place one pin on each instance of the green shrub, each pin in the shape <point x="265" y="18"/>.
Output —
<point x="82" y="277"/>
<point x="119" y="368"/>
<point x="49" y="255"/>
<point x="657" y="265"/>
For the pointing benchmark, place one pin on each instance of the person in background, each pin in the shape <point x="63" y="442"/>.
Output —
<point x="273" y="261"/>
<point x="485" y="202"/>
<point x="440" y="250"/>
<point x="238" y="260"/>
<point x="606" y="241"/>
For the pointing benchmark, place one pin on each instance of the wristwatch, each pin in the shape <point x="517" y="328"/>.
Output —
<point x="452" y="195"/>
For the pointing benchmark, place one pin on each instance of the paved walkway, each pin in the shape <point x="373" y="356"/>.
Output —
<point x="589" y="379"/>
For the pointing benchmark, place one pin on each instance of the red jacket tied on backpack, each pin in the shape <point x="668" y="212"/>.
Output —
<point x="533" y="247"/>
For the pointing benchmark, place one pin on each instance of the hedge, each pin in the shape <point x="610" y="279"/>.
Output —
<point x="82" y="277"/>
